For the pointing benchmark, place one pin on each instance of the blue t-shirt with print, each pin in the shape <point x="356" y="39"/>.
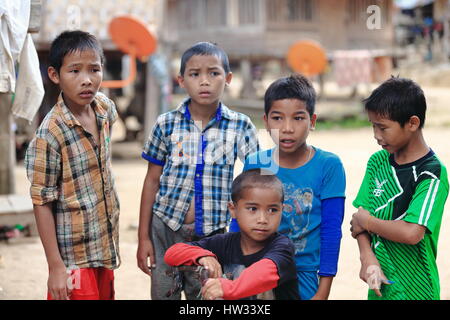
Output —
<point x="305" y="187"/>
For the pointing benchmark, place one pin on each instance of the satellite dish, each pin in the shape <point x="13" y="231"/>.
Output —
<point x="132" y="37"/>
<point x="307" y="57"/>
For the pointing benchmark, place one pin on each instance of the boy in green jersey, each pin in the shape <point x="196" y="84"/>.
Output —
<point x="401" y="199"/>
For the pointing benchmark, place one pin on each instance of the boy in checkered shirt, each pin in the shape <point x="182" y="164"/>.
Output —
<point x="191" y="153"/>
<point x="69" y="166"/>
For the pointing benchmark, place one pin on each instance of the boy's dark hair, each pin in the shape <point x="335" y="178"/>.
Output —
<point x="295" y="86"/>
<point x="71" y="41"/>
<point x="205" y="49"/>
<point x="255" y="178"/>
<point x="398" y="99"/>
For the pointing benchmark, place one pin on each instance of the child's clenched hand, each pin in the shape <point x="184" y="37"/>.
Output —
<point x="213" y="266"/>
<point x="212" y="290"/>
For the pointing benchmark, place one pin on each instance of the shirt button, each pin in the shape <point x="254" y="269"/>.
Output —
<point x="197" y="175"/>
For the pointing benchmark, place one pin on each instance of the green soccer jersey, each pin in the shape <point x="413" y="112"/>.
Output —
<point x="416" y="193"/>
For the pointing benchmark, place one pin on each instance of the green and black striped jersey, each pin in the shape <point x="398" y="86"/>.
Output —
<point x="416" y="193"/>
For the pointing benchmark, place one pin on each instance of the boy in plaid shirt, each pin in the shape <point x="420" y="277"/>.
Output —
<point x="191" y="153"/>
<point x="69" y="166"/>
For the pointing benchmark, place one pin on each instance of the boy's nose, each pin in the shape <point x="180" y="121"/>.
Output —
<point x="86" y="81"/>
<point x="288" y="127"/>
<point x="262" y="218"/>
<point x="376" y="135"/>
<point x="204" y="82"/>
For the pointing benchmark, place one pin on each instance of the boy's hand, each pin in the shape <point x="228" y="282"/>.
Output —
<point x="145" y="252"/>
<point x="372" y="274"/>
<point x="57" y="283"/>
<point x="213" y="266"/>
<point x="212" y="290"/>
<point x="358" y="222"/>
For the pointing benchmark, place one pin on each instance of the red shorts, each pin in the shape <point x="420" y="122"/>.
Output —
<point x="91" y="284"/>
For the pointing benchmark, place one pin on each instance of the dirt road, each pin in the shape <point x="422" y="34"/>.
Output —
<point x="23" y="269"/>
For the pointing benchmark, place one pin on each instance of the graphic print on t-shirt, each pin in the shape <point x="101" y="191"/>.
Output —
<point x="296" y="214"/>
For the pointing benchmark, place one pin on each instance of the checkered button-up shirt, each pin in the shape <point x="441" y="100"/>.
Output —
<point x="67" y="168"/>
<point x="198" y="164"/>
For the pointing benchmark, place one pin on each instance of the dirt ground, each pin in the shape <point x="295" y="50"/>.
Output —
<point x="23" y="268"/>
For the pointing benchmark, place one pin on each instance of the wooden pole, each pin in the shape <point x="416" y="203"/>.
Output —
<point x="446" y="37"/>
<point x="7" y="146"/>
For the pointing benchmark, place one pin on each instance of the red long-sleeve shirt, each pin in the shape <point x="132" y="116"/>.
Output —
<point x="261" y="276"/>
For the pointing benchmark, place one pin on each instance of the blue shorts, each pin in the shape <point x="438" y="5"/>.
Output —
<point x="308" y="283"/>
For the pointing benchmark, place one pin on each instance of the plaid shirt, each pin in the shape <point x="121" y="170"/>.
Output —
<point x="198" y="164"/>
<point x="65" y="167"/>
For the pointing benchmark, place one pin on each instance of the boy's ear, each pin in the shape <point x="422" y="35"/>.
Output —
<point x="313" y="122"/>
<point x="232" y="209"/>
<point x="414" y="123"/>
<point x="228" y="78"/>
<point x="53" y="75"/>
<point x="180" y="80"/>
<point x="266" y="123"/>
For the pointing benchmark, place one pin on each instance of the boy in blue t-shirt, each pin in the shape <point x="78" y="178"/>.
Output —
<point x="314" y="183"/>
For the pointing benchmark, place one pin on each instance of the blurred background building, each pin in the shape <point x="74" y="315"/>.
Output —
<point x="362" y="46"/>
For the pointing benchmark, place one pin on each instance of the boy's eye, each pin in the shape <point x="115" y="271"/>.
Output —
<point x="215" y="73"/>
<point x="299" y="118"/>
<point x="74" y="71"/>
<point x="251" y="209"/>
<point x="193" y="74"/>
<point x="273" y="210"/>
<point x="276" y="118"/>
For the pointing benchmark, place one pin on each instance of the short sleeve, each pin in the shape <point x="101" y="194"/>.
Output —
<point x="333" y="183"/>
<point x="155" y="149"/>
<point x="248" y="141"/>
<point x="261" y="159"/>
<point x="109" y="106"/>
<point x="112" y="112"/>
<point x="43" y="165"/>
<point x="427" y="204"/>
<point x="362" y="198"/>
<point x="248" y="164"/>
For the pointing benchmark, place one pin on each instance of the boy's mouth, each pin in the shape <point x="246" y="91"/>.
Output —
<point x="86" y="94"/>
<point x="260" y="231"/>
<point x="204" y="94"/>
<point x="287" y="142"/>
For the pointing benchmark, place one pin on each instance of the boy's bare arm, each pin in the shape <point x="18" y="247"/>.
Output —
<point x="57" y="280"/>
<point x="324" y="288"/>
<point x="393" y="230"/>
<point x="370" y="271"/>
<point x="145" y="246"/>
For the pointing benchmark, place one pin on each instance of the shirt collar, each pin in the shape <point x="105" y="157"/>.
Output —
<point x="70" y="119"/>
<point x="222" y="110"/>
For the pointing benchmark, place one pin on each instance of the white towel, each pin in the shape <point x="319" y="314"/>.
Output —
<point x="14" y="19"/>
<point x="29" y="89"/>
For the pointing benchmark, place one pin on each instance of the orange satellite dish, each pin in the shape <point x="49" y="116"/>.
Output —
<point x="133" y="38"/>
<point x="307" y="57"/>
